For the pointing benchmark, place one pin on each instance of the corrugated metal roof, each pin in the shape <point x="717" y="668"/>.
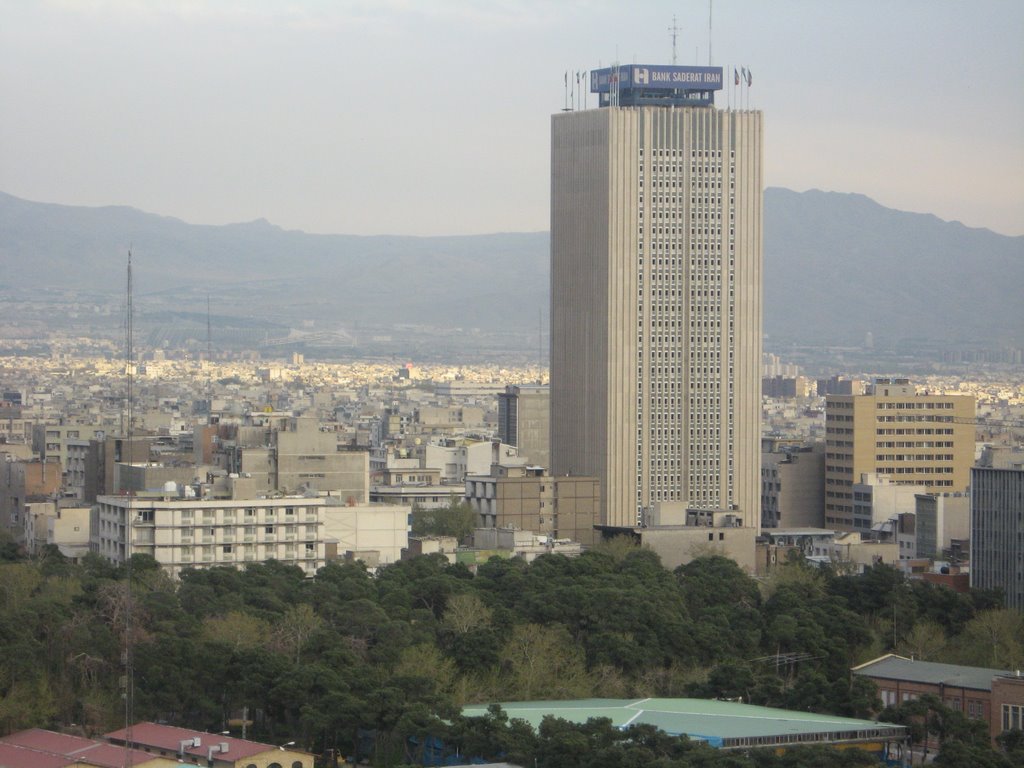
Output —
<point x="710" y="720"/>
<point x="892" y="667"/>
<point x="168" y="737"/>
<point x="16" y="756"/>
<point x="74" y="748"/>
<point x="50" y="741"/>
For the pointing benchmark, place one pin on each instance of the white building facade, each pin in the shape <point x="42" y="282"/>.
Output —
<point x="193" y="533"/>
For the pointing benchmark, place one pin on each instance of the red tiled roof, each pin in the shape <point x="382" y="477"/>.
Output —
<point x="169" y="737"/>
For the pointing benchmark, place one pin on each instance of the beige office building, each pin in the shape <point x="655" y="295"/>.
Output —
<point x="912" y="439"/>
<point x="656" y="262"/>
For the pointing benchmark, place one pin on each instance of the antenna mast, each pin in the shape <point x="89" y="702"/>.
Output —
<point x="674" y="30"/>
<point x="540" y="345"/>
<point x="710" y="3"/>
<point x="129" y="661"/>
<point x="209" y="336"/>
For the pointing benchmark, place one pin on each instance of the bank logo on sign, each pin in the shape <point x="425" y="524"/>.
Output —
<point x="641" y="76"/>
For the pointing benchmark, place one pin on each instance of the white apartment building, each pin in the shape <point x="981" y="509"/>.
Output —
<point x="182" y="533"/>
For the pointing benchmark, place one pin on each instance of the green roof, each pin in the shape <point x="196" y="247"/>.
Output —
<point x="720" y="723"/>
<point x="892" y="667"/>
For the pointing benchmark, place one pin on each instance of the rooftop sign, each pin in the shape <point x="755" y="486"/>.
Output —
<point x="656" y="77"/>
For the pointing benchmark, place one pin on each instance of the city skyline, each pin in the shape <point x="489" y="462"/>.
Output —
<point x="222" y="112"/>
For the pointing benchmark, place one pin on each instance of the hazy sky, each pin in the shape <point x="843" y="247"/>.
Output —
<point x="409" y="117"/>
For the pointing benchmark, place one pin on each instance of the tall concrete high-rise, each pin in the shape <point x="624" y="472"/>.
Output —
<point x="656" y="260"/>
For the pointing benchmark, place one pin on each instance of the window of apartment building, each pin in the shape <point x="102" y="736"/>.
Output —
<point x="268" y="529"/>
<point x="1013" y="717"/>
<point x="975" y="709"/>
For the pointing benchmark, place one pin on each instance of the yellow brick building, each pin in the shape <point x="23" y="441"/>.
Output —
<point x="894" y="431"/>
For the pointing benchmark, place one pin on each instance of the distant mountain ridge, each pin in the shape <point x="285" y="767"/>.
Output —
<point x="836" y="267"/>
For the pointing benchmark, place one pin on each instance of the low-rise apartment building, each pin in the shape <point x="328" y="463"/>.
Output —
<point x="181" y="533"/>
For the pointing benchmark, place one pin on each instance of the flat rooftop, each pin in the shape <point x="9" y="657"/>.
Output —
<point x="719" y="723"/>
<point x="892" y="667"/>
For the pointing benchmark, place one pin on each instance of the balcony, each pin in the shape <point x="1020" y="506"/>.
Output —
<point x="228" y="538"/>
<point x="269" y="537"/>
<point x="289" y="537"/>
<point x="186" y="539"/>
<point x="249" y="538"/>
<point x="186" y="558"/>
<point x="249" y="556"/>
<point x="207" y="539"/>
<point x="228" y="557"/>
<point x="230" y="520"/>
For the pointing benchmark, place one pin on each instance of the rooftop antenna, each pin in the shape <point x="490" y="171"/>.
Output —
<point x="675" y="32"/>
<point x="209" y="336"/>
<point x="540" y="345"/>
<point x="710" y="3"/>
<point x="129" y="661"/>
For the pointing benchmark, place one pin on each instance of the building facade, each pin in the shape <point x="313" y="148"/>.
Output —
<point x="995" y="696"/>
<point x="913" y="439"/>
<point x="527" y="498"/>
<point x="656" y="260"/>
<point x="193" y="533"/>
<point x="524" y="421"/>
<point x="997" y="526"/>
<point x="793" y="487"/>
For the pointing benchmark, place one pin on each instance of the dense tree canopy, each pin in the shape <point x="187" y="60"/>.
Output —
<point x="377" y="666"/>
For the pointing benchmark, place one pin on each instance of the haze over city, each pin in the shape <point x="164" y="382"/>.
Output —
<point x="673" y="415"/>
<point x="432" y="118"/>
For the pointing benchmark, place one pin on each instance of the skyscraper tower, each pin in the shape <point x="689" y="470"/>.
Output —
<point x="656" y="259"/>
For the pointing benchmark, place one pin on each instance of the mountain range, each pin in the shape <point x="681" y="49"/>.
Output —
<point x="837" y="266"/>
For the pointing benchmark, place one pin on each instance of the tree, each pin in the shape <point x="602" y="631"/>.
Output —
<point x="457" y="519"/>
<point x="926" y="641"/>
<point x="543" y="662"/>
<point x="466" y="612"/>
<point x="296" y="627"/>
<point x="236" y="630"/>
<point x="995" y="638"/>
